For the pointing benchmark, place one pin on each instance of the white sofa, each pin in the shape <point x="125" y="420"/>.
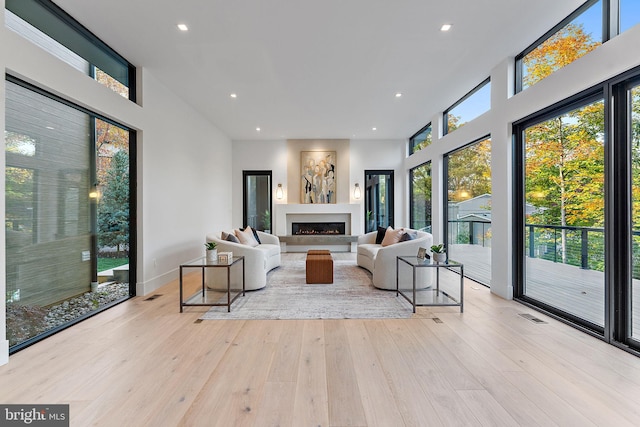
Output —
<point x="258" y="261"/>
<point x="381" y="261"/>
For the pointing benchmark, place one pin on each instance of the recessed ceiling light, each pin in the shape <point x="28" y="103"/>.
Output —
<point x="398" y="95"/>
<point x="233" y="95"/>
<point x="258" y="129"/>
<point x="183" y="27"/>
<point x="445" y="27"/>
<point x="374" y="128"/>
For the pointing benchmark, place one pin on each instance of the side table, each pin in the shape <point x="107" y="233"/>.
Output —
<point x="206" y="297"/>
<point x="438" y="297"/>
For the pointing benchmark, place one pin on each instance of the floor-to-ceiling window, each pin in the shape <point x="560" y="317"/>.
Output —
<point x="624" y="207"/>
<point x="634" y="137"/>
<point x="420" y="197"/>
<point x="378" y="199"/>
<point x="256" y="206"/>
<point x="468" y="226"/>
<point x="564" y="218"/>
<point x="68" y="216"/>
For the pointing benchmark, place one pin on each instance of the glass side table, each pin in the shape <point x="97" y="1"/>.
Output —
<point x="428" y="296"/>
<point x="209" y="297"/>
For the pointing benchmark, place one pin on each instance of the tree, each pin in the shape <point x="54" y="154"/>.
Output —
<point x="109" y="139"/>
<point x="564" y="47"/>
<point x="469" y="172"/>
<point x="113" y="208"/>
<point x="421" y="192"/>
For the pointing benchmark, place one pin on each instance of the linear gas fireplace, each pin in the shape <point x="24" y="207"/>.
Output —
<point x="317" y="228"/>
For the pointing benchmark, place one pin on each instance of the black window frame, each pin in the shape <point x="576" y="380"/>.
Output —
<point x="606" y="35"/>
<point x="133" y="216"/>
<point x="411" y="208"/>
<point x="390" y="187"/>
<point x="82" y="36"/>
<point x="445" y="114"/>
<point x="412" y="139"/>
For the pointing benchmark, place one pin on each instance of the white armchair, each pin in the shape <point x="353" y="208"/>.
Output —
<point x="258" y="261"/>
<point x="381" y="261"/>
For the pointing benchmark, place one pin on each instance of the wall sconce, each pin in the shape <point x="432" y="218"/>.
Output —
<point x="356" y="192"/>
<point x="279" y="194"/>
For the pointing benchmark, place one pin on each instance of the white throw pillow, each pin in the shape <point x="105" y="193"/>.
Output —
<point x="246" y="237"/>
<point x="392" y="236"/>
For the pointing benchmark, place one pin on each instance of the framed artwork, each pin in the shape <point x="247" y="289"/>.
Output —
<point x="318" y="175"/>
<point x="422" y="253"/>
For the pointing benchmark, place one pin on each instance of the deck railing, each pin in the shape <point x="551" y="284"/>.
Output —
<point x="579" y="246"/>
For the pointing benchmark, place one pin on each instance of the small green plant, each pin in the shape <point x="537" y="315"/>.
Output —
<point x="438" y="249"/>
<point x="210" y="246"/>
<point x="266" y="219"/>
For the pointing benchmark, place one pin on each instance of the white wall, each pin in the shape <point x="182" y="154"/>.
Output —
<point x="183" y="162"/>
<point x="383" y="154"/>
<point x="184" y="185"/>
<point x="282" y="157"/>
<point x="257" y="155"/>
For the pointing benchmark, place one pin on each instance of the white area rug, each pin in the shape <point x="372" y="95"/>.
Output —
<point x="287" y="296"/>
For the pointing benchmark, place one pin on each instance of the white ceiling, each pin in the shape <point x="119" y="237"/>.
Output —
<point x="319" y="68"/>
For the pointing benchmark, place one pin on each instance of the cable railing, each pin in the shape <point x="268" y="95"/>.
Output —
<point x="579" y="246"/>
<point x="470" y="232"/>
<point x="582" y="247"/>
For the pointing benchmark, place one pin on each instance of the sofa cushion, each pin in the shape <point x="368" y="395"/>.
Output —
<point x="380" y="235"/>
<point x="229" y="237"/>
<point x="255" y="233"/>
<point x="409" y="235"/>
<point x="246" y="237"/>
<point x="392" y="236"/>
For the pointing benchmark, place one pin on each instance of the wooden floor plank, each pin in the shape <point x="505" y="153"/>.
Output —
<point x="378" y="401"/>
<point x="345" y="406"/>
<point x="486" y="409"/>
<point x="490" y="379"/>
<point x="311" y="405"/>
<point x="415" y="406"/>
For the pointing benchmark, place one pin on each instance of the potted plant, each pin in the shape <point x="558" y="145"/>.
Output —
<point x="212" y="252"/>
<point x="266" y="221"/>
<point x="439" y="253"/>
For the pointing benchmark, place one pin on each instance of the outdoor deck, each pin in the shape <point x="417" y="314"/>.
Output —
<point x="572" y="289"/>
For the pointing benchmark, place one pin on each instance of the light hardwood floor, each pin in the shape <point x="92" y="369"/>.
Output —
<point x="143" y="363"/>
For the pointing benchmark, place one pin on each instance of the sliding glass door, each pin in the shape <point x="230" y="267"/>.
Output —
<point x="563" y="214"/>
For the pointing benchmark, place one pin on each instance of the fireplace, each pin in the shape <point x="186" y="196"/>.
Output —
<point x="317" y="228"/>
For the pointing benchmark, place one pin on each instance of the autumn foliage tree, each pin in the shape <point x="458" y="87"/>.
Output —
<point x="565" y="155"/>
<point x="564" y="47"/>
<point x="421" y="196"/>
<point x="470" y="172"/>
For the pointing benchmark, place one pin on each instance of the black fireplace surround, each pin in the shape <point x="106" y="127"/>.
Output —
<point x="317" y="228"/>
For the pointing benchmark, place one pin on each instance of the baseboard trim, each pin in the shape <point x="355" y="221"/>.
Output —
<point x="145" y="288"/>
<point x="4" y="352"/>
